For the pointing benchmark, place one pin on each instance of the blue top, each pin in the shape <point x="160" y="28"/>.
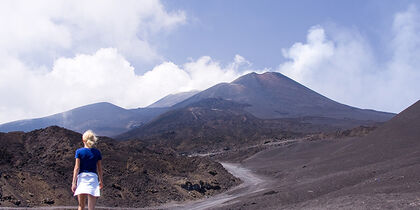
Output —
<point x="88" y="159"/>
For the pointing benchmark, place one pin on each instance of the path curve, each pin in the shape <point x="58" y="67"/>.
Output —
<point x="252" y="183"/>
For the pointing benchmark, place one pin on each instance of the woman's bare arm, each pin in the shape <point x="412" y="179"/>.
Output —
<point x="75" y="173"/>
<point x="100" y="173"/>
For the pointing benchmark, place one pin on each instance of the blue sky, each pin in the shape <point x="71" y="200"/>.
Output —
<point x="257" y="30"/>
<point x="58" y="55"/>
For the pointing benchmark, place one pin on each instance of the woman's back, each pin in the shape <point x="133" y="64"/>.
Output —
<point x="88" y="159"/>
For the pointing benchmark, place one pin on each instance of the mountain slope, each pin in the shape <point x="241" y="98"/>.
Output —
<point x="251" y="109"/>
<point x="272" y="95"/>
<point x="172" y="99"/>
<point x="214" y="123"/>
<point x="36" y="170"/>
<point x="350" y="173"/>
<point x="104" y="118"/>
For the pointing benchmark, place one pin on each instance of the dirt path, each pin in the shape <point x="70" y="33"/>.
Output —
<point x="251" y="183"/>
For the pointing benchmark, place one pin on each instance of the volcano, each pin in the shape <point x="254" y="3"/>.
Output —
<point x="272" y="95"/>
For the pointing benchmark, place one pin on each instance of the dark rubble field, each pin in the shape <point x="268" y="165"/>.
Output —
<point x="37" y="168"/>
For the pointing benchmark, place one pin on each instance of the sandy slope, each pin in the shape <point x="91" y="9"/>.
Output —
<point x="378" y="171"/>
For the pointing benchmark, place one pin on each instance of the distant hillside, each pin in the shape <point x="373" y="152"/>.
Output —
<point x="272" y="95"/>
<point x="251" y="109"/>
<point x="36" y="170"/>
<point x="267" y="96"/>
<point x="103" y="118"/>
<point x="215" y="123"/>
<point x="173" y="99"/>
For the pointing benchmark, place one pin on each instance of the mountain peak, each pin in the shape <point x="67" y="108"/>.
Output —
<point x="99" y="105"/>
<point x="266" y="79"/>
<point x="262" y="76"/>
<point x="273" y="95"/>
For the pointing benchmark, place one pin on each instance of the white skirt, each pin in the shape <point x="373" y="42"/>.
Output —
<point x="87" y="183"/>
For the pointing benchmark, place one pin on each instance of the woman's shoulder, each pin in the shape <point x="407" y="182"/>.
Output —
<point x="95" y="149"/>
<point x="97" y="153"/>
<point x="80" y="149"/>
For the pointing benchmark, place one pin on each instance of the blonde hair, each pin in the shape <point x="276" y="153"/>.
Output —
<point x="89" y="138"/>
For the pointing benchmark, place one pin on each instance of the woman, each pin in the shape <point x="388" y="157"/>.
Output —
<point x="87" y="171"/>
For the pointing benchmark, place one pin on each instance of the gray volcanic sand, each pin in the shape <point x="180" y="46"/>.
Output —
<point x="302" y="180"/>
<point x="378" y="171"/>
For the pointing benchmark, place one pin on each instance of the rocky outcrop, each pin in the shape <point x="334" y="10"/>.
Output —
<point x="201" y="186"/>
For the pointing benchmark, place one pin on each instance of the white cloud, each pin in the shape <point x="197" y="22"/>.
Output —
<point x="58" y="55"/>
<point x="37" y="39"/>
<point x="103" y="76"/>
<point x="205" y="72"/>
<point x="52" y="28"/>
<point x="340" y="64"/>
